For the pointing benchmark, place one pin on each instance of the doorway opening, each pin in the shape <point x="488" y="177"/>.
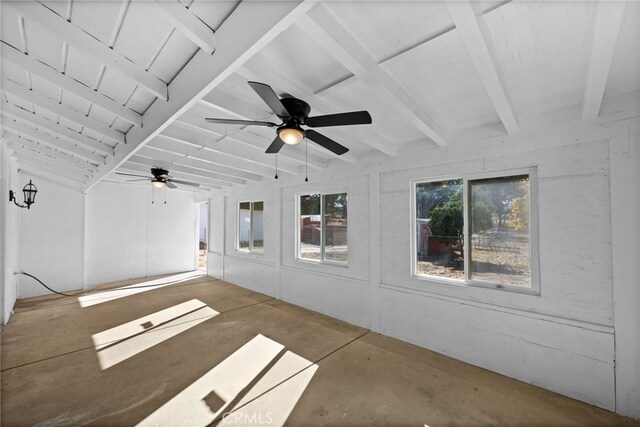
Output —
<point x="203" y="235"/>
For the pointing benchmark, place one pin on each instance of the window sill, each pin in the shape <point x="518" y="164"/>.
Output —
<point x="319" y="262"/>
<point x="477" y="284"/>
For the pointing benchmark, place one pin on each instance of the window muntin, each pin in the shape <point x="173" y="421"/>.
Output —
<point x="250" y="227"/>
<point x="494" y="247"/>
<point x="323" y="228"/>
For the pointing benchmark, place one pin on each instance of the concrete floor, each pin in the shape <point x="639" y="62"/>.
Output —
<point x="51" y="374"/>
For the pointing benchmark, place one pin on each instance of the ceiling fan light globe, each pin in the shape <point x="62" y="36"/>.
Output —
<point x="158" y="183"/>
<point x="291" y="136"/>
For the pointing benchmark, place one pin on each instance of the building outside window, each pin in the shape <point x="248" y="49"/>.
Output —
<point x="475" y="231"/>
<point x="323" y="228"/>
<point x="250" y="227"/>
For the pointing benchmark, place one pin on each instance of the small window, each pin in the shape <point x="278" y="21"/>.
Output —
<point x="323" y="228"/>
<point x="475" y="231"/>
<point x="250" y="226"/>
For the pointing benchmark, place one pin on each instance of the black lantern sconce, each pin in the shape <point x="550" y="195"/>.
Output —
<point x="29" y="191"/>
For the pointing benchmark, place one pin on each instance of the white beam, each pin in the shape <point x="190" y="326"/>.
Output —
<point x="195" y="162"/>
<point x="32" y="65"/>
<point x="51" y="167"/>
<point x="62" y="110"/>
<point x="57" y="128"/>
<point x="216" y="158"/>
<point x="477" y="41"/>
<point x="188" y="24"/>
<point x="608" y="23"/>
<point x="176" y="168"/>
<point x="342" y="45"/>
<point x="60" y="180"/>
<point x="55" y="143"/>
<point x="48" y="151"/>
<point x="78" y="38"/>
<point x="250" y="27"/>
<point x="54" y="161"/>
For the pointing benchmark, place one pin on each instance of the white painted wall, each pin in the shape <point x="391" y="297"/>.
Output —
<point x="562" y="340"/>
<point x="9" y="223"/>
<point x="127" y="236"/>
<point x="51" y="238"/>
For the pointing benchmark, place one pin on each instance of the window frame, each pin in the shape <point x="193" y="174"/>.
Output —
<point x="298" y="245"/>
<point x="250" y="248"/>
<point x="534" y="252"/>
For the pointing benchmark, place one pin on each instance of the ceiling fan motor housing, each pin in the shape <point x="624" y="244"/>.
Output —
<point x="298" y="109"/>
<point x="158" y="172"/>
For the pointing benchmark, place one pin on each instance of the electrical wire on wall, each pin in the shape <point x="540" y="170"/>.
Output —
<point x="101" y="290"/>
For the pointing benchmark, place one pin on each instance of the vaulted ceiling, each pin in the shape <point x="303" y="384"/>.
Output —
<point x="90" y="88"/>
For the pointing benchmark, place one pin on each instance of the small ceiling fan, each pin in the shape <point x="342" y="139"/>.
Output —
<point x="294" y="113"/>
<point x="159" y="179"/>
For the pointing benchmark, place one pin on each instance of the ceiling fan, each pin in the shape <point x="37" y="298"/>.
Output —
<point x="294" y="113"/>
<point x="159" y="179"/>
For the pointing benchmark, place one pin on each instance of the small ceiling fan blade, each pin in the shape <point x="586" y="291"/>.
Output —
<point x="267" y="94"/>
<point x="170" y="184"/>
<point x="177" y="181"/>
<point x="341" y="119"/>
<point x="275" y="146"/>
<point x="134" y="174"/>
<point x="326" y="142"/>
<point x="137" y="180"/>
<point x="239" y="122"/>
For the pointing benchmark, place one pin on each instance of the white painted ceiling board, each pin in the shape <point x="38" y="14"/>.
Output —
<point x="544" y="50"/>
<point x="624" y="75"/>
<point x="177" y="51"/>
<point x="213" y="14"/>
<point x="96" y="18"/>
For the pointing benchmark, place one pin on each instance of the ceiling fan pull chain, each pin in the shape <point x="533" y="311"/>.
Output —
<point x="152" y="196"/>
<point x="306" y="168"/>
<point x="165" y="194"/>
<point x="276" y="165"/>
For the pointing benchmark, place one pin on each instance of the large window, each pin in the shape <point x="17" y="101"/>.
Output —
<point x="323" y="228"/>
<point x="475" y="231"/>
<point x="250" y="230"/>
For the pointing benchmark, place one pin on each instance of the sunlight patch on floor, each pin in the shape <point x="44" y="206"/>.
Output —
<point x="125" y="291"/>
<point x="124" y="341"/>
<point x="250" y="371"/>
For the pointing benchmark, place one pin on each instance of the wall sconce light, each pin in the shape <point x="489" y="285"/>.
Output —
<point x="29" y="191"/>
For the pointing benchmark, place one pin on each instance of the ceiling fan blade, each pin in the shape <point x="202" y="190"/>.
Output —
<point x="326" y="142"/>
<point x="240" y="122"/>
<point x="137" y="180"/>
<point x="177" y="181"/>
<point x="341" y="119"/>
<point x="170" y="184"/>
<point x="267" y="94"/>
<point x="275" y="146"/>
<point x="134" y="174"/>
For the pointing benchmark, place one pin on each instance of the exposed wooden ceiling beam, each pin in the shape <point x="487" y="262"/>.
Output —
<point x="342" y="45"/>
<point x="477" y="40"/>
<point x="57" y="128"/>
<point x="608" y="23"/>
<point x="250" y="27"/>
<point x="188" y="24"/>
<point x="48" y="151"/>
<point x="57" y="179"/>
<point x="177" y="168"/>
<point x="32" y="65"/>
<point x="51" y="167"/>
<point x="193" y="161"/>
<point x="55" y="143"/>
<point x="62" y="110"/>
<point x="78" y="38"/>
<point x="54" y="161"/>
<point x="217" y="158"/>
